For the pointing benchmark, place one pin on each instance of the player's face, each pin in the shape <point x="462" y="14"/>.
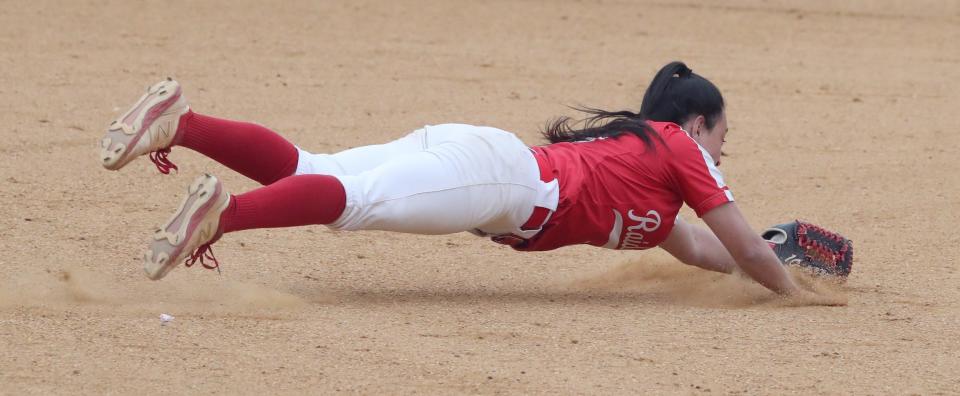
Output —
<point x="712" y="139"/>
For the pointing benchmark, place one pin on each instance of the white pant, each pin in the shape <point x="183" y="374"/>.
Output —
<point x="438" y="180"/>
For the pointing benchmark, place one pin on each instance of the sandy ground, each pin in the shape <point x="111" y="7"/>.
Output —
<point x="842" y="113"/>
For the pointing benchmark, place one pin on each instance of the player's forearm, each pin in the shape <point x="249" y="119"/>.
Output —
<point x="764" y="267"/>
<point x="751" y="252"/>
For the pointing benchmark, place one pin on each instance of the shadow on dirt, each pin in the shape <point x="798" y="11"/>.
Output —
<point x="632" y="283"/>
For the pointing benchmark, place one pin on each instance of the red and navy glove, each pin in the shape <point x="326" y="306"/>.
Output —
<point x="820" y="250"/>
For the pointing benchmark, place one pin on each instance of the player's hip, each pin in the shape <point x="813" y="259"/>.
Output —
<point x="466" y="178"/>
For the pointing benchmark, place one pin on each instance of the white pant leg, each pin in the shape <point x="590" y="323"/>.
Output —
<point x="359" y="159"/>
<point x="467" y="178"/>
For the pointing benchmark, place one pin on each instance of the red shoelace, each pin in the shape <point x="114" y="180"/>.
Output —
<point x="164" y="165"/>
<point x="204" y="252"/>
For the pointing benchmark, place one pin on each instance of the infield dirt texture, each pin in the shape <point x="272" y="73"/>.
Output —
<point x="841" y="113"/>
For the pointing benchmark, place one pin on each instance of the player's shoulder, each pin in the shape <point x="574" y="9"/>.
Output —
<point x="675" y="138"/>
<point x="670" y="132"/>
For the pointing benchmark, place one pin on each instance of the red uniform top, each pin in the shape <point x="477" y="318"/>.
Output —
<point x="619" y="194"/>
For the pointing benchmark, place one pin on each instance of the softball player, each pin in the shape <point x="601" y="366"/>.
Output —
<point x="617" y="182"/>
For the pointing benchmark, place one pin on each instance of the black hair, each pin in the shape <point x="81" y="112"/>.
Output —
<point x="675" y="94"/>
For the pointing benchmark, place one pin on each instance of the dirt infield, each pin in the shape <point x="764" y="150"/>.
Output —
<point x="841" y="113"/>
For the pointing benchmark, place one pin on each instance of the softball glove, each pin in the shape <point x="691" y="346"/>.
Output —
<point x="820" y="250"/>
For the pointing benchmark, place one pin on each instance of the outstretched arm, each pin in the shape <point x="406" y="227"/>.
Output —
<point x="733" y="244"/>
<point x="751" y="253"/>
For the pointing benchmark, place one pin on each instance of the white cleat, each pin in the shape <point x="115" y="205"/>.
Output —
<point x="148" y="127"/>
<point x="187" y="236"/>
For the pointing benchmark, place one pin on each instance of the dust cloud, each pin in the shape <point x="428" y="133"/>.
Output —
<point x="75" y="286"/>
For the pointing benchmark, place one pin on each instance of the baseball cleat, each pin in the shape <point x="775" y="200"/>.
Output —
<point x="187" y="236"/>
<point x="148" y="127"/>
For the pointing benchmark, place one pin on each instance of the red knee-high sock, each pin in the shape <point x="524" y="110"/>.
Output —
<point x="250" y="149"/>
<point x="292" y="201"/>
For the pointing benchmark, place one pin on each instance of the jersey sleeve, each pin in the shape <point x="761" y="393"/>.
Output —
<point x="698" y="180"/>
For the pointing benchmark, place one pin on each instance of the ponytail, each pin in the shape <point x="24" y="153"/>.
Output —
<point x="600" y="124"/>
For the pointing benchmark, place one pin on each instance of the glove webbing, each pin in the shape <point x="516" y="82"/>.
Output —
<point x="825" y="253"/>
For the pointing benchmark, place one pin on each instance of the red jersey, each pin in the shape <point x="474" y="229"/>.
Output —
<point x="620" y="194"/>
